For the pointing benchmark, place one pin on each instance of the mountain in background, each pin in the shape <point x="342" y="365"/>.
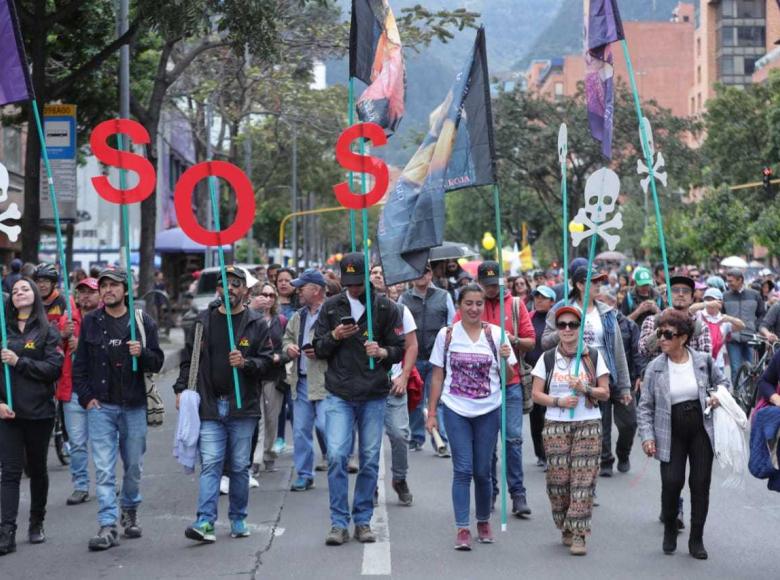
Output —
<point x="512" y="27"/>
<point x="563" y="35"/>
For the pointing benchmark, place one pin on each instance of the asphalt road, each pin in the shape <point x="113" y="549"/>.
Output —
<point x="288" y="531"/>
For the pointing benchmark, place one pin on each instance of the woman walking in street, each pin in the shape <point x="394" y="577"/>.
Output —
<point x="35" y="360"/>
<point x="466" y="376"/>
<point x="572" y="427"/>
<point x="674" y="428"/>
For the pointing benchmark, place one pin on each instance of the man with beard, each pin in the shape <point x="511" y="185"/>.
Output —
<point x="225" y="430"/>
<point x="115" y="398"/>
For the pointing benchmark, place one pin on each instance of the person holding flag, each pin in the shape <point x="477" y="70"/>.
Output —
<point x="35" y="359"/>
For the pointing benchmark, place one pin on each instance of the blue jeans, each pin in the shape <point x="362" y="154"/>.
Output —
<point x="231" y="438"/>
<point x="115" y="428"/>
<point x="514" y="443"/>
<point x="416" y="417"/>
<point x="307" y="416"/>
<point x="78" y="438"/>
<point x="397" y="429"/>
<point x="340" y="419"/>
<point x="472" y="442"/>
<point x="739" y="352"/>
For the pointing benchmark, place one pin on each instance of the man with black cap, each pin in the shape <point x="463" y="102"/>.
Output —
<point x="226" y="431"/>
<point x="358" y="392"/>
<point x="574" y="265"/>
<point x="115" y="399"/>
<point x="432" y="309"/>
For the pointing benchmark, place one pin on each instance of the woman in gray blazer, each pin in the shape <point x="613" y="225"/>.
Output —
<point x="674" y="428"/>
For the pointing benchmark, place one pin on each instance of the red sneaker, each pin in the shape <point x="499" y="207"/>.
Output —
<point x="484" y="533"/>
<point x="463" y="540"/>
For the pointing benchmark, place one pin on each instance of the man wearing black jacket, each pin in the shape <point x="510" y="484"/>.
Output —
<point x="357" y="393"/>
<point x="115" y="398"/>
<point x="226" y="430"/>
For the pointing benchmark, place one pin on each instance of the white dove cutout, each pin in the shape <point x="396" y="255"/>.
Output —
<point x="12" y="212"/>
<point x="601" y="194"/>
<point x="659" y="163"/>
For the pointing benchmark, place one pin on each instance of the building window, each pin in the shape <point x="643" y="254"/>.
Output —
<point x="698" y="47"/>
<point x="728" y="36"/>
<point x="558" y="89"/>
<point x="12" y="149"/>
<point x="693" y="105"/>
<point x="698" y="74"/>
<point x="726" y="65"/>
<point x="750" y="65"/>
<point x="750" y="9"/>
<point x="751" y="36"/>
<point x="698" y="98"/>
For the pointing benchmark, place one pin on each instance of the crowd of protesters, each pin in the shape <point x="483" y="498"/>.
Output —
<point x="429" y="356"/>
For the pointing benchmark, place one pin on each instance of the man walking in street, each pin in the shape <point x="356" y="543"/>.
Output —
<point x="432" y="309"/>
<point x="115" y="398"/>
<point x="358" y="392"/>
<point x="747" y="305"/>
<point x="307" y="380"/>
<point x="521" y="335"/>
<point x="226" y="430"/>
<point x="642" y="301"/>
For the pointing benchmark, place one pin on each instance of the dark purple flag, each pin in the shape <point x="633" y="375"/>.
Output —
<point x="14" y="81"/>
<point x="602" y="27"/>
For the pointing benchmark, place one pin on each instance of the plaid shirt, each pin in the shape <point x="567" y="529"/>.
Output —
<point x="648" y="341"/>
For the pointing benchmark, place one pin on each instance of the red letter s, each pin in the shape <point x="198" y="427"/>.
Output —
<point x="361" y="164"/>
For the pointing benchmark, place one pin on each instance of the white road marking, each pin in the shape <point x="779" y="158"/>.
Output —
<point x="376" y="556"/>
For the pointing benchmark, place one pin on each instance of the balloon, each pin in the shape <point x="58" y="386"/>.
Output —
<point x="488" y="241"/>
<point x="575" y="227"/>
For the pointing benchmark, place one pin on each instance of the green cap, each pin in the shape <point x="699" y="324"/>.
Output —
<point x="643" y="277"/>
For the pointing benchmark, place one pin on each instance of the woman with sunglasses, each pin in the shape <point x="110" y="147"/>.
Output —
<point x="34" y="360"/>
<point x="572" y="426"/>
<point x="264" y="299"/>
<point x="466" y="376"/>
<point x="674" y="427"/>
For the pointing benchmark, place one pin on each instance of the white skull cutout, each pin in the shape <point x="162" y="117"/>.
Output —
<point x="563" y="143"/>
<point x="658" y="165"/>
<point x="12" y="213"/>
<point x="601" y="192"/>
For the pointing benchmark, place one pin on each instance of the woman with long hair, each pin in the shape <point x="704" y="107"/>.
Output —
<point x="265" y="299"/>
<point x="35" y="360"/>
<point x="572" y="427"/>
<point x="466" y="377"/>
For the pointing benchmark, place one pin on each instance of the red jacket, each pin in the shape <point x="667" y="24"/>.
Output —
<point x="492" y="314"/>
<point x="58" y="316"/>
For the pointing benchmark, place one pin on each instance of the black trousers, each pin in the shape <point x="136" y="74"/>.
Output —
<point x="22" y="439"/>
<point x="625" y="420"/>
<point x="690" y="443"/>
<point x="537" y="424"/>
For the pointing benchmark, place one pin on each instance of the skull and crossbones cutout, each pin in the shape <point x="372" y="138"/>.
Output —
<point x="659" y="164"/>
<point x="601" y="194"/>
<point x="12" y="212"/>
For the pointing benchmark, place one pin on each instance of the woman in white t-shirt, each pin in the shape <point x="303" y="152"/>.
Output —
<point x="572" y="427"/>
<point x="466" y="377"/>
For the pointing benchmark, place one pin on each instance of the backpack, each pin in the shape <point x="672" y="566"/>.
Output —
<point x="549" y="364"/>
<point x="155" y="408"/>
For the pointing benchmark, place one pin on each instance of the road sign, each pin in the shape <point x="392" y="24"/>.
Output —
<point x="59" y="125"/>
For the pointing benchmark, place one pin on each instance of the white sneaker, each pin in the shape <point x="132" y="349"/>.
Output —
<point x="224" y="485"/>
<point x="253" y="482"/>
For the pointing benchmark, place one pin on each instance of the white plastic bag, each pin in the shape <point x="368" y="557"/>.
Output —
<point x="731" y="447"/>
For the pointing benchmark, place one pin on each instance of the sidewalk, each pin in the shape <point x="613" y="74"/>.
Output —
<point x="172" y="346"/>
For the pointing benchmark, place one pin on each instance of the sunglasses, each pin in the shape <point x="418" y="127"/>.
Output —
<point x="570" y="325"/>
<point x="232" y="283"/>
<point x="681" y="290"/>
<point x="665" y="334"/>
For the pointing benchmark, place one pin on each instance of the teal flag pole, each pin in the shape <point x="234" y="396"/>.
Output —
<point x="659" y="220"/>
<point x="585" y="301"/>
<point x="502" y="371"/>
<point x="563" y="147"/>
<point x="126" y="230"/>
<point x="366" y="256"/>
<point x="55" y="208"/>
<point x="6" y="370"/>
<point x="223" y="275"/>
<point x="351" y="116"/>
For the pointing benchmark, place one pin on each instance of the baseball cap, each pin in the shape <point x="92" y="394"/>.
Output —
<point x="352" y="269"/>
<point x="310" y="276"/>
<point x="568" y="310"/>
<point x="544" y="291"/>
<point x="115" y="274"/>
<point x="685" y="280"/>
<point x="713" y="293"/>
<point x="576" y="264"/>
<point x="581" y="274"/>
<point x="90" y="283"/>
<point x="487" y="273"/>
<point x="643" y="277"/>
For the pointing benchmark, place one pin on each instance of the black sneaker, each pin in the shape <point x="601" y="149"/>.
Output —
<point x="7" y="539"/>
<point x="605" y="471"/>
<point x="35" y="533"/>
<point x="78" y="497"/>
<point x="405" y="496"/>
<point x="540" y="462"/>
<point x="624" y="466"/>
<point x="520" y="505"/>
<point x="130" y="524"/>
<point x="106" y="538"/>
<point x="337" y="536"/>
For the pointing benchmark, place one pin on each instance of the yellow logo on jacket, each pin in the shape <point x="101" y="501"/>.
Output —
<point x="54" y="311"/>
<point x="29" y="345"/>
<point x="243" y="342"/>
